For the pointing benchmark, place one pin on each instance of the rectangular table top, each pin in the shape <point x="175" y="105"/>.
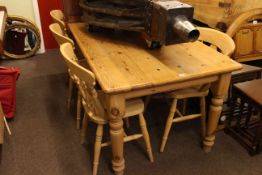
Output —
<point x="122" y="62"/>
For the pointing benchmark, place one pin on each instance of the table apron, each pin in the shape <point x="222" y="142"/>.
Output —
<point x="170" y="87"/>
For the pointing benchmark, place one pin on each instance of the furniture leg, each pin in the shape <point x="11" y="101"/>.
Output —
<point x="2" y="128"/>
<point x="2" y="125"/>
<point x="97" y="148"/>
<point x="169" y="123"/>
<point x="147" y="100"/>
<point x="70" y="93"/>
<point x="78" y="110"/>
<point x="127" y="122"/>
<point x="258" y="135"/>
<point x="116" y="111"/>
<point x="146" y="137"/>
<point x="84" y="129"/>
<point x="219" y="89"/>
<point x="203" y="115"/>
<point x="184" y="106"/>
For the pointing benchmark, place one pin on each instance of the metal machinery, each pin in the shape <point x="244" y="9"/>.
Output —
<point x="162" y="22"/>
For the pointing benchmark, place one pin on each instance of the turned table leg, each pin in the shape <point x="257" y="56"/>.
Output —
<point x="219" y="90"/>
<point x="116" y="111"/>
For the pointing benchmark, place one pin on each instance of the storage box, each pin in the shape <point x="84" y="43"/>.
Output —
<point x="215" y="13"/>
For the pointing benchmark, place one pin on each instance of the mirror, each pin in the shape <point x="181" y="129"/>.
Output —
<point x="22" y="38"/>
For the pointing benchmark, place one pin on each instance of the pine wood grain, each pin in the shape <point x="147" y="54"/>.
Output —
<point x="120" y="65"/>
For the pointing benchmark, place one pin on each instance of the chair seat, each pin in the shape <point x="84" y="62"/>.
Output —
<point x="134" y="107"/>
<point x="187" y="93"/>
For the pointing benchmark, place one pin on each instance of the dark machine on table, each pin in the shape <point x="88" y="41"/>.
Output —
<point x="162" y="22"/>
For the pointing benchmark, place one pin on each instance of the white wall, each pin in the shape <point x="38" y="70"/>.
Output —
<point x="19" y="7"/>
<point x="27" y="9"/>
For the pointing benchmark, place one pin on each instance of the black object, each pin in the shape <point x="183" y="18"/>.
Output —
<point x="161" y="21"/>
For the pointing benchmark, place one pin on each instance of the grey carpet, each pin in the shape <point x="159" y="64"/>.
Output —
<point x="45" y="140"/>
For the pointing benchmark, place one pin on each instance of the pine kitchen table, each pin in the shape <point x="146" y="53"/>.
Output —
<point x="125" y="69"/>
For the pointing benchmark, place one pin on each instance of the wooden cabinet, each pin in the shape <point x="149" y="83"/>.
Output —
<point x="232" y="17"/>
<point x="258" y="39"/>
<point x="248" y="43"/>
<point x="244" y="39"/>
<point x="217" y="12"/>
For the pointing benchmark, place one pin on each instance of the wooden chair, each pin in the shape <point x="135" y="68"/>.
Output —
<point x="61" y="39"/>
<point x="94" y="108"/>
<point x="59" y="18"/>
<point x="218" y="41"/>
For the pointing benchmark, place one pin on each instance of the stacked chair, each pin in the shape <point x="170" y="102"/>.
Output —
<point x="61" y="38"/>
<point x="92" y="101"/>
<point x="59" y="18"/>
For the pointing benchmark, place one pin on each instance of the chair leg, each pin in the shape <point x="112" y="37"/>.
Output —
<point x="84" y="129"/>
<point x="146" y="137"/>
<point x="203" y="116"/>
<point x="78" y="110"/>
<point x="127" y="122"/>
<point x="168" y="124"/>
<point x="148" y="98"/>
<point x="184" y="106"/>
<point x="70" y="93"/>
<point x="97" y="148"/>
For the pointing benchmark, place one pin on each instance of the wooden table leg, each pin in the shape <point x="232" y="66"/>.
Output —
<point x="2" y="125"/>
<point x="116" y="111"/>
<point x="219" y="90"/>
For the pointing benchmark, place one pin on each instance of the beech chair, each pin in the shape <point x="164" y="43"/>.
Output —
<point x="222" y="43"/>
<point x="59" y="18"/>
<point x="61" y="39"/>
<point x="92" y="101"/>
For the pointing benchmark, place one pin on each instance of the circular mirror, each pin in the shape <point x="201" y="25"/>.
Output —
<point x="22" y="38"/>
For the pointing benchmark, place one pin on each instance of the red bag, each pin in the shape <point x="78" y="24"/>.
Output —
<point x="8" y="77"/>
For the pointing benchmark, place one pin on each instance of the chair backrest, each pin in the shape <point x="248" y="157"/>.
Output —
<point x="59" y="35"/>
<point x="242" y="19"/>
<point x="58" y="17"/>
<point x="217" y="39"/>
<point x="85" y="81"/>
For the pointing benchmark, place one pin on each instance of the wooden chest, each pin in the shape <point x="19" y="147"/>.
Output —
<point x="221" y="14"/>
<point x="217" y="12"/>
